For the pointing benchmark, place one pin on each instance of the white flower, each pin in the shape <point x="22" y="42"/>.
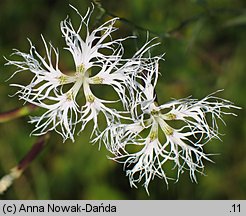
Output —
<point x="47" y="87"/>
<point x="196" y="124"/>
<point x="57" y="92"/>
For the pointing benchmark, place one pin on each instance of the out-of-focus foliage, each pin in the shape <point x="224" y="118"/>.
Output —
<point x="205" y="48"/>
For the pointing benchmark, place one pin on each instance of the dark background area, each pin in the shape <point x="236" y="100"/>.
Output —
<point x="205" y="48"/>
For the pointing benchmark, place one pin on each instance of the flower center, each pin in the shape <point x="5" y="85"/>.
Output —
<point x="80" y="69"/>
<point x="169" y="116"/>
<point x="165" y="127"/>
<point x="153" y="135"/>
<point x="154" y="112"/>
<point x="97" y="80"/>
<point x="69" y="96"/>
<point x="62" y="79"/>
<point x="90" y="98"/>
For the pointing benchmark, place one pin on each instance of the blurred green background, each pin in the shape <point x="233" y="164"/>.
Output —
<point x="205" y="46"/>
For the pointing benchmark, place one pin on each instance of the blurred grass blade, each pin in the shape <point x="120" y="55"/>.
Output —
<point x="239" y="20"/>
<point x="16" y="113"/>
<point x="7" y="180"/>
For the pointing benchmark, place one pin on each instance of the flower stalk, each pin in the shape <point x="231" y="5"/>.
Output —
<point x="7" y="180"/>
<point x="16" y="113"/>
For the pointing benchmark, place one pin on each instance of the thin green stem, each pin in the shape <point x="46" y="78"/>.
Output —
<point x="209" y="13"/>
<point x="16" y="113"/>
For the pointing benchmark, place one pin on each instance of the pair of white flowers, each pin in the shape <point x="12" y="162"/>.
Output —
<point x="140" y="134"/>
